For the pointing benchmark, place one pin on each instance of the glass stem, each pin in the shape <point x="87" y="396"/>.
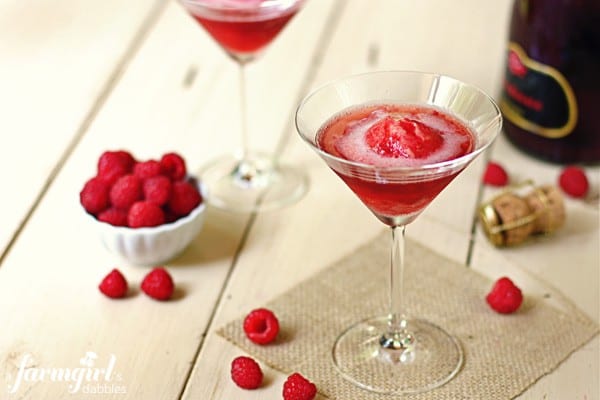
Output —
<point x="397" y="336"/>
<point x="243" y="111"/>
<point x="245" y="171"/>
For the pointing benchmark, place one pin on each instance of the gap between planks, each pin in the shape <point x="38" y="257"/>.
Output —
<point x="113" y="79"/>
<point x="473" y="232"/>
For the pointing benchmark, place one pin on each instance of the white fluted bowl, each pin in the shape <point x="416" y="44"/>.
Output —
<point x="154" y="245"/>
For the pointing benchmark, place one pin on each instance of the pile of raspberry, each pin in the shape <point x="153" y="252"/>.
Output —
<point x="136" y="194"/>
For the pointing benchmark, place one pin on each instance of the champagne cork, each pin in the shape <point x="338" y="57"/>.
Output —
<point x="547" y="203"/>
<point x="509" y="219"/>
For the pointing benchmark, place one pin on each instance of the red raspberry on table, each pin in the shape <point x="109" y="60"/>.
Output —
<point x="114" y="164"/>
<point x="261" y="326"/>
<point x="495" y="175"/>
<point x="94" y="197"/>
<point x="246" y="373"/>
<point x="113" y="216"/>
<point x="174" y="166"/>
<point x="573" y="181"/>
<point x="145" y="214"/>
<point x="297" y="387"/>
<point x="114" y="285"/>
<point x="505" y="297"/>
<point x="157" y="190"/>
<point x="158" y="284"/>
<point x="126" y="191"/>
<point x="147" y="169"/>
<point x="184" y="198"/>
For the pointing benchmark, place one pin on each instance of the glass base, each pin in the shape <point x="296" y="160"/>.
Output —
<point x="428" y="360"/>
<point x="252" y="184"/>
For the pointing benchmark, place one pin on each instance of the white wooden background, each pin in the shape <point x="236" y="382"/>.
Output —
<point x="77" y="78"/>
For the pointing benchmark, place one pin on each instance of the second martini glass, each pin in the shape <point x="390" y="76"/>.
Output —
<point x="249" y="181"/>
<point x="376" y="131"/>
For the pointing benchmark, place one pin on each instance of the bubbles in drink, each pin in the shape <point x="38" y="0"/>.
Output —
<point x="237" y="3"/>
<point x="395" y="135"/>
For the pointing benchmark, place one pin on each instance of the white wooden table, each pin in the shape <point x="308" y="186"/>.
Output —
<point x="77" y="78"/>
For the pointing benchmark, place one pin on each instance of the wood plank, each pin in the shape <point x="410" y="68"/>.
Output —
<point x="290" y="245"/>
<point x="438" y="227"/>
<point x="568" y="258"/>
<point x="265" y="266"/>
<point x="48" y="284"/>
<point x="557" y="267"/>
<point x="57" y="62"/>
<point x="175" y="95"/>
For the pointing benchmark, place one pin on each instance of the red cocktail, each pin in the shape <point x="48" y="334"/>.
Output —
<point x="395" y="136"/>
<point x="247" y="181"/>
<point x="397" y="139"/>
<point x="245" y="32"/>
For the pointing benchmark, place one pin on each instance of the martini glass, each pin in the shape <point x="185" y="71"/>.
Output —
<point x="412" y="354"/>
<point x="247" y="181"/>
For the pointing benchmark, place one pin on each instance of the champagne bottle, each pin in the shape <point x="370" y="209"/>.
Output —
<point x="551" y="92"/>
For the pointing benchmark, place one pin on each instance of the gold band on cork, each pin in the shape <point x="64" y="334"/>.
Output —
<point x="508" y="219"/>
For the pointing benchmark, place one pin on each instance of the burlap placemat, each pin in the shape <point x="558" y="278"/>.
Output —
<point x="504" y="354"/>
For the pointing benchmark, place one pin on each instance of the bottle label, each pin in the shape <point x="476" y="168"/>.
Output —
<point x="537" y="97"/>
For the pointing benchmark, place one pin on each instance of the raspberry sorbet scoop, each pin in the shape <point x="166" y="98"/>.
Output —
<point x="403" y="137"/>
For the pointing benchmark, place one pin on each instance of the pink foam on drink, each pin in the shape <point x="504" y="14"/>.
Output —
<point x="238" y="3"/>
<point x="421" y="135"/>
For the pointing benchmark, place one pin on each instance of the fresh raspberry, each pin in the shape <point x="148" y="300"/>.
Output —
<point x="184" y="198"/>
<point x="114" y="216"/>
<point x="126" y="191"/>
<point x="147" y="169"/>
<point x="174" y="166"/>
<point x="246" y="373"/>
<point x="170" y="216"/>
<point x="404" y="137"/>
<point x="114" y="164"/>
<point x="158" y="284"/>
<point x="114" y="285"/>
<point x="157" y="190"/>
<point x="504" y="297"/>
<point x="297" y="387"/>
<point x="145" y="214"/>
<point x="495" y="175"/>
<point x="261" y="326"/>
<point x="574" y="182"/>
<point x="94" y="196"/>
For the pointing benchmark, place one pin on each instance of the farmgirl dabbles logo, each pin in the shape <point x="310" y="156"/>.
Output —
<point x="86" y="378"/>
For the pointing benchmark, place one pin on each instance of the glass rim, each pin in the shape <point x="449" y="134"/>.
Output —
<point x="435" y="167"/>
<point x="216" y="5"/>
